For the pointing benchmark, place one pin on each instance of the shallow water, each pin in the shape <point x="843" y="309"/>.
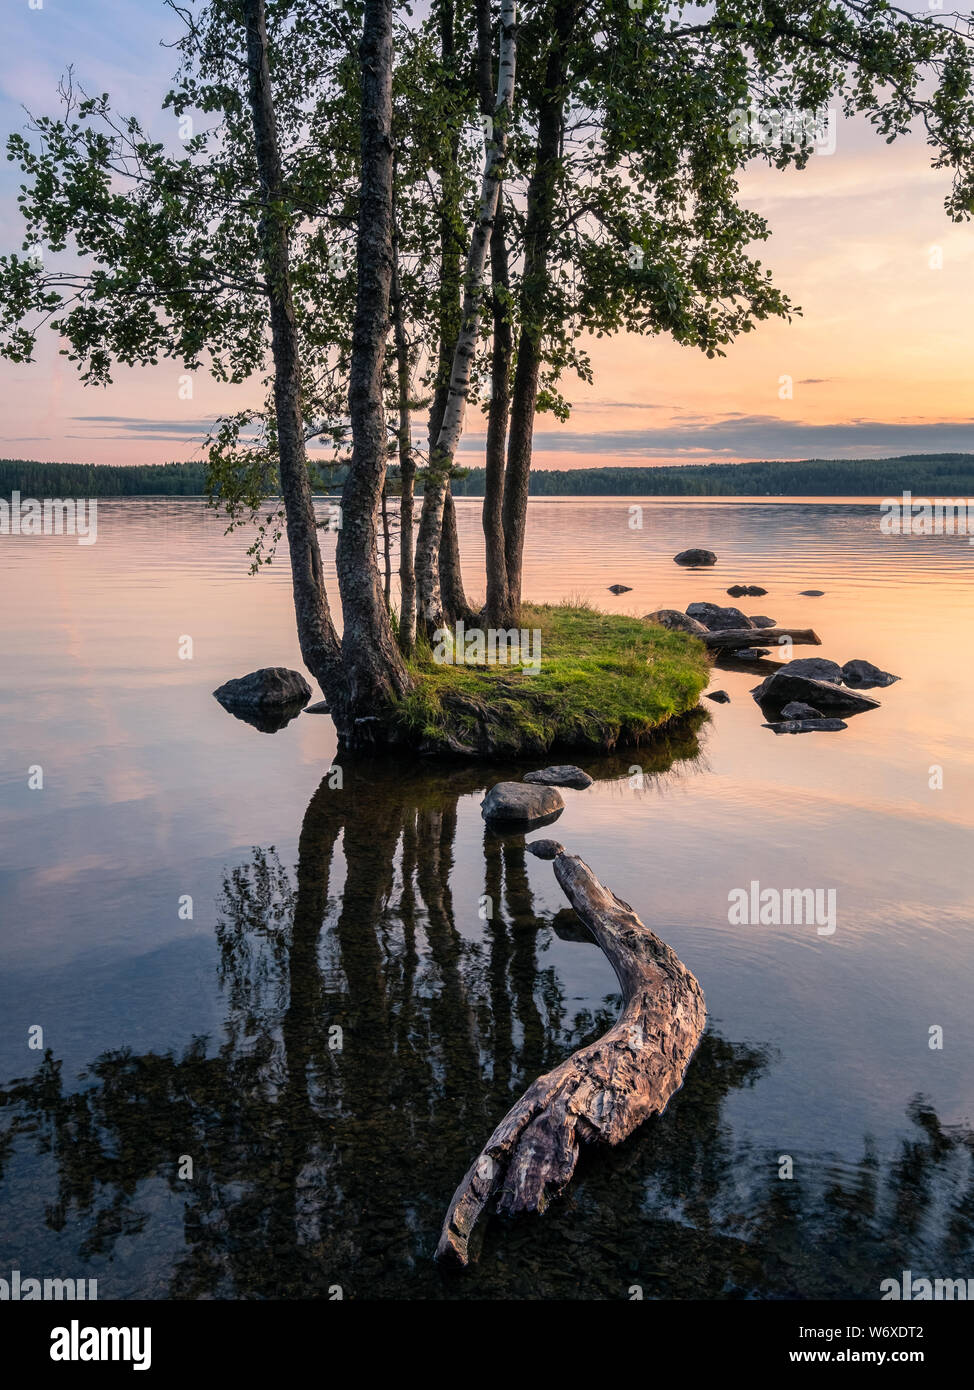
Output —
<point x="362" y="910"/>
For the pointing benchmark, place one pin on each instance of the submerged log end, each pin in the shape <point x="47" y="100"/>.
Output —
<point x="602" y="1092"/>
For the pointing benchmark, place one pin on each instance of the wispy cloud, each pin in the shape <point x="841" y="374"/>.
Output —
<point x="761" y="437"/>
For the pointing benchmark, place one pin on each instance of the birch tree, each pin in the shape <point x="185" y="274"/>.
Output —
<point x="429" y="597"/>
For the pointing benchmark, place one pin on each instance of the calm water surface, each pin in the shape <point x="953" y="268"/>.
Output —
<point x="360" y="910"/>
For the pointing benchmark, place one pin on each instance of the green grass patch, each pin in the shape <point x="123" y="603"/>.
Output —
<point x="604" y="680"/>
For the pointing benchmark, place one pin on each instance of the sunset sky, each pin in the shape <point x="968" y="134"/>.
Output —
<point x="881" y="359"/>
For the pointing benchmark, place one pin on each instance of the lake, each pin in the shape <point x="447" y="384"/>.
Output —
<point x="279" y="1019"/>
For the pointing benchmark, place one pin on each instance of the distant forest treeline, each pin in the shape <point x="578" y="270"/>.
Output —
<point x="942" y="475"/>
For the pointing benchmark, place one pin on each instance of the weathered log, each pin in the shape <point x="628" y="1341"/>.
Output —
<point x="737" y="637"/>
<point x="602" y="1092"/>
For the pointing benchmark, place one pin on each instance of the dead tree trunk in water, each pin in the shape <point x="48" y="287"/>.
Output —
<point x="603" y="1091"/>
<point x="373" y="668"/>
<point x="429" y="592"/>
<point x="317" y="637"/>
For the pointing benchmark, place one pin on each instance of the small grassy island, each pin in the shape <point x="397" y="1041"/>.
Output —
<point x="602" y="680"/>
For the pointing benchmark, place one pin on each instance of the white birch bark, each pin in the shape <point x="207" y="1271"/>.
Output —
<point x="495" y="148"/>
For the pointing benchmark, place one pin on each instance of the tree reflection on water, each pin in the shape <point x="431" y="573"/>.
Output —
<point x="372" y="1040"/>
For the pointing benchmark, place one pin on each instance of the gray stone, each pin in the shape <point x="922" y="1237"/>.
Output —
<point x="717" y="619"/>
<point x="321" y="707"/>
<point x="720" y="696"/>
<point x="812" y="593"/>
<point x="784" y="686"/>
<point x="519" y="803"/>
<point x="696" y="556"/>
<point x="807" y="726"/>
<point x="674" y="620"/>
<point x="546" y="849"/>
<point x="863" y="675"/>
<point x="759" y="620"/>
<point x="564" y="775"/>
<point x="796" y="710"/>
<point x="751" y="653"/>
<point x="620" y="588"/>
<point x="816" y="668"/>
<point x="271" y="686"/>
<point x="737" y="590"/>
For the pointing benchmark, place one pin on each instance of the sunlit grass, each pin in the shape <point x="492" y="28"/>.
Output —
<point x="603" y="680"/>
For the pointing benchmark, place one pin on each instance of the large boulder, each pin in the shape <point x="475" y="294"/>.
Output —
<point x="521" y="804"/>
<point x="780" y="689"/>
<point x="564" y="775"/>
<point x="674" y="620"/>
<point x="717" y="619"/>
<point x="272" y="687"/>
<point x="863" y="675"/>
<point x="696" y="556"/>
<point x="816" y="668"/>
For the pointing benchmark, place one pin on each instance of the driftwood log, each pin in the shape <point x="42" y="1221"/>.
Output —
<point x="740" y="637"/>
<point x="603" y="1091"/>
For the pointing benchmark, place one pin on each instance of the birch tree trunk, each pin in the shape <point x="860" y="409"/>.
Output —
<point x="429" y="595"/>
<point x="374" y="672"/>
<point x="534" y="291"/>
<point x="498" y="612"/>
<point x="317" y="637"/>
<point x="407" y="468"/>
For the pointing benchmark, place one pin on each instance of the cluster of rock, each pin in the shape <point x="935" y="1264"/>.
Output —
<point x="805" y="695"/>
<point x="809" y="693"/>
<point x="701" y="618"/>
<point x="533" y="801"/>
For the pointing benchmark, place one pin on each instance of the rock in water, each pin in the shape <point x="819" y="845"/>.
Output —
<point x="270" y="687"/>
<point x="674" y="620"/>
<point x="321" y="707"/>
<point x="755" y="591"/>
<point x="863" y="675"/>
<point x="695" y="556"/>
<point x="816" y="668"/>
<point x="545" y="849"/>
<point x="812" y="593"/>
<point x="717" y="619"/>
<point x="720" y="696"/>
<point x="752" y="590"/>
<point x="783" y="687"/>
<point x="521" y="804"/>
<point x="737" y="590"/>
<point x="759" y="620"/>
<point x="565" y="775"/>
<point x="796" y="710"/>
<point x="807" y="726"/>
<point x="620" y="588"/>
